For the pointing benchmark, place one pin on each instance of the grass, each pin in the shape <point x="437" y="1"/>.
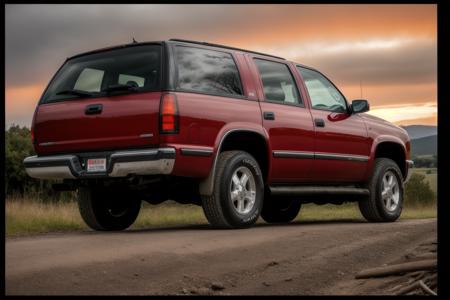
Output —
<point x="26" y="217"/>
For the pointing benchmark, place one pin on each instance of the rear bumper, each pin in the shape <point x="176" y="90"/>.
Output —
<point x="409" y="165"/>
<point x="118" y="164"/>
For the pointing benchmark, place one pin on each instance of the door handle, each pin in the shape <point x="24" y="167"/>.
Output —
<point x="93" y="109"/>
<point x="268" y="115"/>
<point x="319" y="122"/>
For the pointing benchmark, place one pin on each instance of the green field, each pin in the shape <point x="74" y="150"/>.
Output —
<point x="25" y="217"/>
<point x="431" y="178"/>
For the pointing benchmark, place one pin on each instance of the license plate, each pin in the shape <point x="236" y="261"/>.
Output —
<point x="96" y="165"/>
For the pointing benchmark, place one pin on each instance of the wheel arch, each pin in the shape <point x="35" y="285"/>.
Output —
<point x="229" y="139"/>
<point x="392" y="148"/>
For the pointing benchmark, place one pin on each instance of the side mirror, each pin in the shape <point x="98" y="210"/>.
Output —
<point x="360" y="106"/>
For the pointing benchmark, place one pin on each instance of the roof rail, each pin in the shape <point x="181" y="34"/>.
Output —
<point x="226" y="47"/>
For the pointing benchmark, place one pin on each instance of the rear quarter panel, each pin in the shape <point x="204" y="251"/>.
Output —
<point x="204" y="120"/>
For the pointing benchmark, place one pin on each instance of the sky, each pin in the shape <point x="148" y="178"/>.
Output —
<point x="386" y="54"/>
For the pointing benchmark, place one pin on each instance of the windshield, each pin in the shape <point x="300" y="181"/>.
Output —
<point x="136" y="68"/>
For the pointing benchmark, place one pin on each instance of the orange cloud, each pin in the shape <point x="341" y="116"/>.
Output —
<point x="20" y="103"/>
<point x="306" y="23"/>
<point x="423" y="121"/>
<point x="407" y="114"/>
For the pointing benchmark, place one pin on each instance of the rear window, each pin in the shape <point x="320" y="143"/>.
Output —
<point x="207" y="71"/>
<point x="91" y="75"/>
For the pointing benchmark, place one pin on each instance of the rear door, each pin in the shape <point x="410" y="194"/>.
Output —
<point x="286" y="119"/>
<point x="102" y="101"/>
<point x="342" y="146"/>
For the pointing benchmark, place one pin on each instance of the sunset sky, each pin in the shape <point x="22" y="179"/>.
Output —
<point x="391" y="50"/>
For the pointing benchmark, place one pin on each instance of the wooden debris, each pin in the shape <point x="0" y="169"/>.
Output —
<point x="408" y="289"/>
<point x="426" y="288"/>
<point x="428" y="264"/>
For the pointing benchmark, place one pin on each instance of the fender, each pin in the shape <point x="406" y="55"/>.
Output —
<point x="377" y="141"/>
<point x="206" y="186"/>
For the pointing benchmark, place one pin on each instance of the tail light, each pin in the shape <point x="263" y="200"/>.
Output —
<point x="168" y="114"/>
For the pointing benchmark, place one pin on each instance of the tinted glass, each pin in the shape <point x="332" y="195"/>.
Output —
<point x="139" y="66"/>
<point x="89" y="80"/>
<point x="278" y="83"/>
<point x="207" y="71"/>
<point x="321" y="91"/>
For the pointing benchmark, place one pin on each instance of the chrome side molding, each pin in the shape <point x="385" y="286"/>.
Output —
<point x="318" y="190"/>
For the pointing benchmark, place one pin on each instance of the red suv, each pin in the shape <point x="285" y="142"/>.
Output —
<point x="238" y="132"/>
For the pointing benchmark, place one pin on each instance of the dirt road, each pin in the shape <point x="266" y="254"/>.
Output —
<point x="298" y="258"/>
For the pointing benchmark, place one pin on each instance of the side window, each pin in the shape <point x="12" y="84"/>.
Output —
<point x="321" y="91"/>
<point x="89" y="80"/>
<point x="278" y="83"/>
<point x="207" y="71"/>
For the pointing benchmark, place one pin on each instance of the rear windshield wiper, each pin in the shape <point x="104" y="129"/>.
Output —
<point x="120" y="87"/>
<point x="76" y="93"/>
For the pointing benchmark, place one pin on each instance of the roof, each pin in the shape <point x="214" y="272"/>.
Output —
<point x="115" y="47"/>
<point x="223" y="46"/>
<point x="172" y="40"/>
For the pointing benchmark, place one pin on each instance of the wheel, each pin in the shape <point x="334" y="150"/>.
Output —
<point x="107" y="210"/>
<point x="280" y="210"/>
<point x="238" y="192"/>
<point x="385" y="201"/>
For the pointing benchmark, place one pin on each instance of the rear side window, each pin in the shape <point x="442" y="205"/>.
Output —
<point x="90" y="75"/>
<point x="278" y="83"/>
<point x="207" y="71"/>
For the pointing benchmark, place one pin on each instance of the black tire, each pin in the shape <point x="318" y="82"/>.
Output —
<point x="107" y="210"/>
<point x="373" y="207"/>
<point x="280" y="210"/>
<point x="219" y="208"/>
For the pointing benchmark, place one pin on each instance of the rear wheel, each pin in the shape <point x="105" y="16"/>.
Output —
<point x="238" y="191"/>
<point x="280" y="210"/>
<point x="103" y="209"/>
<point x="385" y="201"/>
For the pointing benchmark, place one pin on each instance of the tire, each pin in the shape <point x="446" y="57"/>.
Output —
<point x="376" y="209"/>
<point x="280" y="210"/>
<point x="107" y="210"/>
<point x="230" y="205"/>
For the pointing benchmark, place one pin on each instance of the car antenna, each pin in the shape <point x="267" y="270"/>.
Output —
<point x="134" y="41"/>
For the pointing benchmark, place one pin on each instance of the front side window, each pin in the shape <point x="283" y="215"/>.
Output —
<point x="278" y="83"/>
<point x="207" y="71"/>
<point x="93" y="75"/>
<point x="323" y="94"/>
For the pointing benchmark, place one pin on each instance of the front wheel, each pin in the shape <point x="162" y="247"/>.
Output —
<point x="103" y="209"/>
<point x="385" y="201"/>
<point x="238" y="191"/>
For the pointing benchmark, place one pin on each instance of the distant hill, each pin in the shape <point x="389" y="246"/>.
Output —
<point x="423" y="139"/>
<point x="420" y="131"/>
<point x="424" y="146"/>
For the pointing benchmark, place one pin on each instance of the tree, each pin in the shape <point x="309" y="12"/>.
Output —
<point x="18" y="145"/>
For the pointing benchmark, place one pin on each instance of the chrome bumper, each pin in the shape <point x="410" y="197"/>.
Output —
<point x="118" y="164"/>
<point x="409" y="165"/>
